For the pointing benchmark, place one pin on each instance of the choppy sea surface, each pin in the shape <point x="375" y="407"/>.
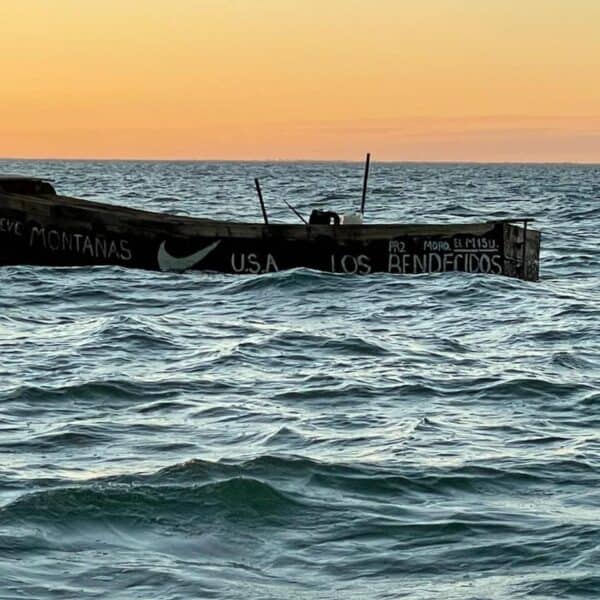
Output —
<point x="301" y="434"/>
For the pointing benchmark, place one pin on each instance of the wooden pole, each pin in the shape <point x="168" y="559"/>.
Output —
<point x="295" y="211"/>
<point x="262" y="204"/>
<point x="364" y="189"/>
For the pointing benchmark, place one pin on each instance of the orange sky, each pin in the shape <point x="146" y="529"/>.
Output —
<point x="477" y="80"/>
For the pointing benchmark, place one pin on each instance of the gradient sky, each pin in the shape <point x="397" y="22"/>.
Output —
<point x="476" y="80"/>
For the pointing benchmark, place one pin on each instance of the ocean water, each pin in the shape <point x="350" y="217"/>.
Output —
<point x="300" y="434"/>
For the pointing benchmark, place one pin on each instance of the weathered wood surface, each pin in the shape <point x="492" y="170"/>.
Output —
<point x="63" y="231"/>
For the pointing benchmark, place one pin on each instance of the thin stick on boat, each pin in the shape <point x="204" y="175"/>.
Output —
<point x="295" y="211"/>
<point x="262" y="203"/>
<point x="364" y="189"/>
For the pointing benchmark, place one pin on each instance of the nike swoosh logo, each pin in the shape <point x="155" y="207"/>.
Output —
<point x="166" y="262"/>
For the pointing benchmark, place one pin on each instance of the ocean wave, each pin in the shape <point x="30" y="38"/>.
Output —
<point x="92" y="391"/>
<point x="238" y="498"/>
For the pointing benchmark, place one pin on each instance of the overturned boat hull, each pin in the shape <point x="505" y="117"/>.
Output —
<point x="54" y="230"/>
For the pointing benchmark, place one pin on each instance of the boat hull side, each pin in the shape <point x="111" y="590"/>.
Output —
<point x="61" y="232"/>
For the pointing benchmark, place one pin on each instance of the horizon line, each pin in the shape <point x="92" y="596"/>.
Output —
<point x="300" y="160"/>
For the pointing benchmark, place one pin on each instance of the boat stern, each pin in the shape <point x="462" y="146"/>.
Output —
<point x="521" y="251"/>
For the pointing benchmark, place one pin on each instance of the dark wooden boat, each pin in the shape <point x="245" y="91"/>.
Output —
<point x="40" y="227"/>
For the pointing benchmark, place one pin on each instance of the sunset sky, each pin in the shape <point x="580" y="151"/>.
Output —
<point x="474" y="80"/>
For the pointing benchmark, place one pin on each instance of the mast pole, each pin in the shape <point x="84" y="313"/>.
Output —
<point x="364" y="189"/>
